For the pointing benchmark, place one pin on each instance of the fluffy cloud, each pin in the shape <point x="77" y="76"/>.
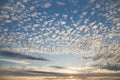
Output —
<point x="47" y="5"/>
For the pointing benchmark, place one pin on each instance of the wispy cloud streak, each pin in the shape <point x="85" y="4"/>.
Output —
<point x="58" y="67"/>
<point x="15" y="61"/>
<point x="20" y="56"/>
<point x="45" y="73"/>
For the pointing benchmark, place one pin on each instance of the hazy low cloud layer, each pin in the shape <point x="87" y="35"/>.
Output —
<point x="45" y="73"/>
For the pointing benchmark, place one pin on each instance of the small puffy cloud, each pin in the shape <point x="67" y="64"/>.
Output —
<point x="57" y="31"/>
<point x="47" y="5"/>
<point x="25" y="0"/>
<point x="98" y="6"/>
<point x="36" y="25"/>
<point x="32" y="8"/>
<point x="93" y="12"/>
<point x="63" y="22"/>
<point x="33" y="28"/>
<point x="60" y="3"/>
<point x="8" y="21"/>
<point x="34" y="14"/>
<point x="6" y="16"/>
<point x="91" y="1"/>
<point x="14" y="18"/>
<point x="118" y="24"/>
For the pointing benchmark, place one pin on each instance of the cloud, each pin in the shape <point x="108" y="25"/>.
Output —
<point x="58" y="67"/>
<point x="109" y="63"/>
<point x="55" y="74"/>
<point x="8" y="21"/>
<point x="110" y="66"/>
<point x="30" y="72"/>
<point x="47" y="5"/>
<point x="45" y="73"/>
<point x="60" y="3"/>
<point x="97" y="5"/>
<point x="108" y="58"/>
<point x="91" y="1"/>
<point x="104" y="55"/>
<point x="20" y="56"/>
<point x="15" y="61"/>
<point x="25" y="1"/>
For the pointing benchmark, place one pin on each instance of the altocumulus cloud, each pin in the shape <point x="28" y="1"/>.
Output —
<point x="20" y="56"/>
<point x="105" y="56"/>
<point x="108" y="60"/>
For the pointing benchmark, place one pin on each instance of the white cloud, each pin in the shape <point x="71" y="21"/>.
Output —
<point x="118" y="24"/>
<point x="14" y="18"/>
<point x="47" y="5"/>
<point x="97" y="6"/>
<point x="60" y="3"/>
<point x="36" y="25"/>
<point x="63" y="22"/>
<point x="6" y="16"/>
<point x="32" y="8"/>
<point x="8" y="21"/>
<point x="91" y="1"/>
<point x="34" y="14"/>
<point x="93" y="12"/>
<point x="57" y="31"/>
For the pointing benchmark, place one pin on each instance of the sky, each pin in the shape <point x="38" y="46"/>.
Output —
<point x="60" y="38"/>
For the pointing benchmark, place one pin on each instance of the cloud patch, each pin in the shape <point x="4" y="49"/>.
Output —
<point x="44" y="73"/>
<point x="58" y="67"/>
<point x="20" y="56"/>
<point x="14" y="61"/>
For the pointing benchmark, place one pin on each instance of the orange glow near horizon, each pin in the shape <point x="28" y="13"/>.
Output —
<point x="55" y="78"/>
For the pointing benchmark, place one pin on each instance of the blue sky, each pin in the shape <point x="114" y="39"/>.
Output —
<point x="64" y="36"/>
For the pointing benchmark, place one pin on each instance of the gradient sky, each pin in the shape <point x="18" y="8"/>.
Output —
<point x="60" y="36"/>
